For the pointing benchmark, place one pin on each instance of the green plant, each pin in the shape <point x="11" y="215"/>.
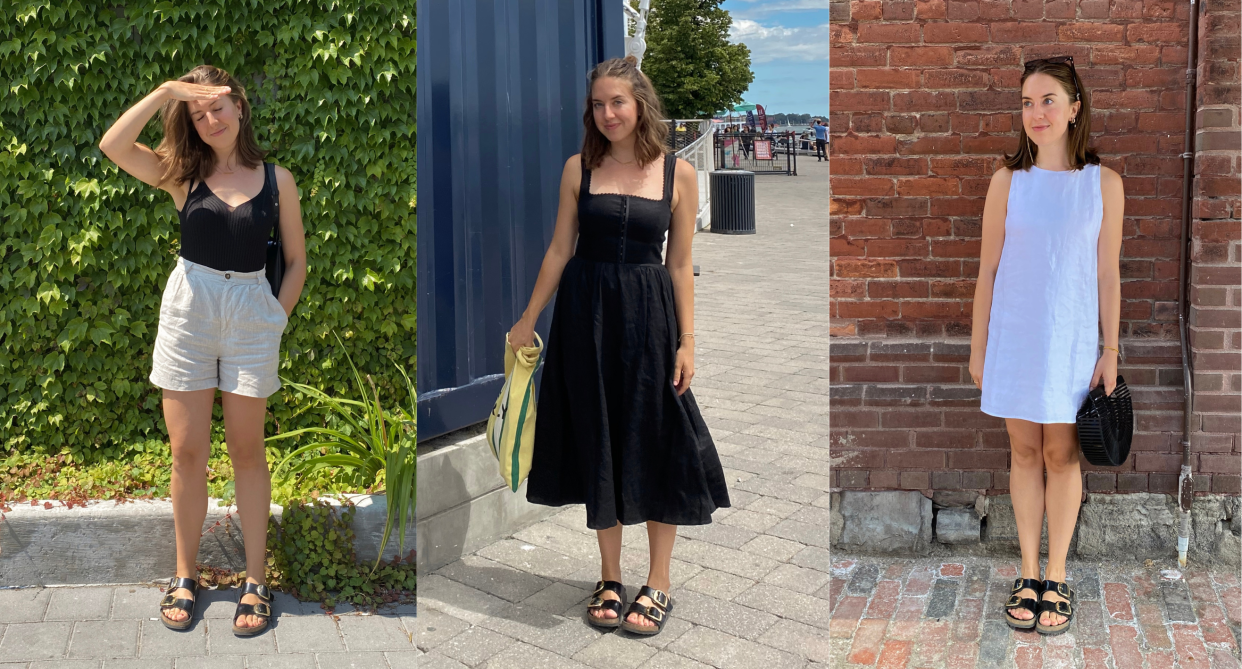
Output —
<point x="312" y="557"/>
<point x="85" y="248"/>
<point x="368" y="442"/>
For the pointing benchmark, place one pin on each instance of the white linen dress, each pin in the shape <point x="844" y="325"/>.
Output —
<point x="1043" y="335"/>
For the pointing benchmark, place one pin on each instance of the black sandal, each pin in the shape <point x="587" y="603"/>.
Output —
<point x="1027" y="603"/>
<point x="657" y="613"/>
<point x="1063" y="608"/>
<point x="600" y="604"/>
<point x="263" y="609"/>
<point x="187" y="605"/>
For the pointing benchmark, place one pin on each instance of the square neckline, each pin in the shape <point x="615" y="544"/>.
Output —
<point x="663" y="184"/>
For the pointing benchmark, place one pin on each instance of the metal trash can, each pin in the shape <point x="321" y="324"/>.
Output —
<point x="733" y="202"/>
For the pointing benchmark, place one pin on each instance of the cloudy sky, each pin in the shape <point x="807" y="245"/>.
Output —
<point x="788" y="42"/>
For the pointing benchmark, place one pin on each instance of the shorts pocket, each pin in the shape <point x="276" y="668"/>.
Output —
<point x="275" y="304"/>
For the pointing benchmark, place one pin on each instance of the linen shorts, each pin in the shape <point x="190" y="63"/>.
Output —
<point x="218" y="330"/>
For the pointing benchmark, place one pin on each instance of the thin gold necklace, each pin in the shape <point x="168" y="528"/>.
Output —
<point x="622" y="161"/>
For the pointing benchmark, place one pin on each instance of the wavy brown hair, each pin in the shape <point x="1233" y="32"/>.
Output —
<point x="651" y="132"/>
<point x="183" y="153"/>
<point x="1080" y="154"/>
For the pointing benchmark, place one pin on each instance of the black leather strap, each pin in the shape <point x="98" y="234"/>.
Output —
<point x="171" y="602"/>
<point x="614" y="605"/>
<point x="1020" y="584"/>
<point x="263" y="609"/>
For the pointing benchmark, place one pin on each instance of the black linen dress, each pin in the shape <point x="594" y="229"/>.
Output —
<point x="612" y="433"/>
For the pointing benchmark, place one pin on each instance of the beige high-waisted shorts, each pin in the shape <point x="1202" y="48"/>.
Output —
<point x="218" y="330"/>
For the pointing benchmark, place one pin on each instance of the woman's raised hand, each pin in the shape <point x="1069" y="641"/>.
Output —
<point x="186" y="91"/>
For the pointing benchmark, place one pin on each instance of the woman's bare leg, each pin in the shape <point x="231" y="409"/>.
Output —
<point x="1062" y="497"/>
<point x="1026" y="490"/>
<point x="660" y="538"/>
<point x="243" y="432"/>
<point x="610" y="564"/>
<point x="188" y="417"/>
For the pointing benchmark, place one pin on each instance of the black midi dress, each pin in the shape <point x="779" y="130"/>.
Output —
<point x="612" y="433"/>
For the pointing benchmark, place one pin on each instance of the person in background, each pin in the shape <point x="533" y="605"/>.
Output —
<point x="821" y="140"/>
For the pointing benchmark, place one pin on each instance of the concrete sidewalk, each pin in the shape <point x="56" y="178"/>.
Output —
<point x="118" y="627"/>
<point x="751" y="589"/>
<point x="935" y="614"/>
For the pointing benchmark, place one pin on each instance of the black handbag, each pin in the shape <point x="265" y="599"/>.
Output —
<point x="1106" y="425"/>
<point x="275" y="252"/>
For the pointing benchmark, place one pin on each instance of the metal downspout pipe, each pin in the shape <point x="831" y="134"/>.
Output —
<point x="1185" y="482"/>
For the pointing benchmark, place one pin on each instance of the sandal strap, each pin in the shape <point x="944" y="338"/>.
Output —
<point x="607" y="604"/>
<point x="169" y="602"/>
<point x="1021" y="603"/>
<point x="658" y="597"/>
<point x="653" y="613"/>
<point x="1060" y="607"/>
<point x="1020" y="584"/>
<point x="614" y="586"/>
<point x="177" y="583"/>
<point x="1058" y="587"/>
<point x="261" y="609"/>
<point x="259" y="589"/>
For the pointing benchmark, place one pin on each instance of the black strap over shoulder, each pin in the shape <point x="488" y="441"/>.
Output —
<point x="670" y="169"/>
<point x="270" y="169"/>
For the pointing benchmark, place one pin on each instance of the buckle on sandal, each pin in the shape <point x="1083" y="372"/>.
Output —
<point x="657" y="596"/>
<point x="168" y="600"/>
<point x="655" y="614"/>
<point x="1014" y="601"/>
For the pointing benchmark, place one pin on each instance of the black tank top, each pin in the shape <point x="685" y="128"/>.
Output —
<point x="228" y="241"/>
<point x="626" y="229"/>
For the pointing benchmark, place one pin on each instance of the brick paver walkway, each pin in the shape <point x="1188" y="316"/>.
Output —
<point x="932" y="614"/>
<point x="750" y="590"/>
<point x="117" y="627"/>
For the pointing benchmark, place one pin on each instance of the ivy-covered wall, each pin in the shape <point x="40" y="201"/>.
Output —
<point x="85" y="249"/>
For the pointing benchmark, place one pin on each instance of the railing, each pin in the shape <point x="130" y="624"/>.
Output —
<point x="770" y="153"/>
<point x="692" y="140"/>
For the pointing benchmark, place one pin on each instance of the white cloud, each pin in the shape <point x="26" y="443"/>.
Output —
<point x="769" y="43"/>
<point x="769" y="6"/>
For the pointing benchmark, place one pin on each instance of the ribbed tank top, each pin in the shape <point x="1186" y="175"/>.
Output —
<point x="223" y="239"/>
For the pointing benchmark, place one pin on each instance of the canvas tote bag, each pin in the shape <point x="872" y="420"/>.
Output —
<point x="511" y="425"/>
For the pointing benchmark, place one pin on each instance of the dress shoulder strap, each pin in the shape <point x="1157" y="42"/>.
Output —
<point x="670" y="167"/>
<point x="584" y="188"/>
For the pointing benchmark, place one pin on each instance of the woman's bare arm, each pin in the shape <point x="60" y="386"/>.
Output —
<point x="564" y="238"/>
<point x="120" y="142"/>
<point x="681" y="265"/>
<point x="292" y="240"/>
<point x="995" y="208"/>
<point x="1108" y="275"/>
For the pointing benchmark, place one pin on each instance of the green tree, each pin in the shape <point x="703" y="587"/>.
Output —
<point x="690" y="60"/>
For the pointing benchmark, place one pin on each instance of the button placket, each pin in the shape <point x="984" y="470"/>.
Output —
<point x="625" y="218"/>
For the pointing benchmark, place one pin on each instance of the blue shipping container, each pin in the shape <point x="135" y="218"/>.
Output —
<point x="501" y="89"/>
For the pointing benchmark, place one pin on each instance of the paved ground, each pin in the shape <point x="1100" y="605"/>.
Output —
<point x="751" y="589"/>
<point x="922" y="613"/>
<point x="118" y="627"/>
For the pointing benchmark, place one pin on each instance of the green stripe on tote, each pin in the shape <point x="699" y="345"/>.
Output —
<point x="515" y="467"/>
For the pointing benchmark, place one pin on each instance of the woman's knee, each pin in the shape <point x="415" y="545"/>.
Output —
<point x="1026" y="452"/>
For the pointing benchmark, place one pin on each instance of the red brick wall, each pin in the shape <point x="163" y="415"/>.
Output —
<point x="924" y="100"/>
<point x="1216" y="298"/>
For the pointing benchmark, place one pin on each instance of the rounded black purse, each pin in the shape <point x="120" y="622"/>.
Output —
<point x="1106" y="425"/>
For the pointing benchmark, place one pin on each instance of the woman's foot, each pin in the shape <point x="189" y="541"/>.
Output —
<point x="250" y="620"/>
<point x="606" y="604"/>
<point x="636" y="618"/>
<point x="177" y="605"/>
<point x="1052" y="618"/>
<point x="599" y="612"/>
<point x="1023" y="602"/>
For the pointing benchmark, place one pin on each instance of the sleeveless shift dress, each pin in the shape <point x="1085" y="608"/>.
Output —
<point x="1043" y="335"/>
<point x="612" y="432"/>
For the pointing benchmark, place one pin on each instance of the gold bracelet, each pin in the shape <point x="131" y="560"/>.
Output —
<point x="1112" y="349"/>
<point x="688" y="334"/>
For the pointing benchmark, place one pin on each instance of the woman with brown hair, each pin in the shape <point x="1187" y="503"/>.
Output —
<point x="1049" y="283"/>
<point x="618" y="428"/>
<point x="220" y="324"/>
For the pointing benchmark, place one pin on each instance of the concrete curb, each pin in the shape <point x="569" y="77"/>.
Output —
<point x="133" y="542"/>
<point x="1110" y="526"/>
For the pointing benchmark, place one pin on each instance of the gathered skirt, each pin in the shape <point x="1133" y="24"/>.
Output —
<point x="611" y="432"/>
